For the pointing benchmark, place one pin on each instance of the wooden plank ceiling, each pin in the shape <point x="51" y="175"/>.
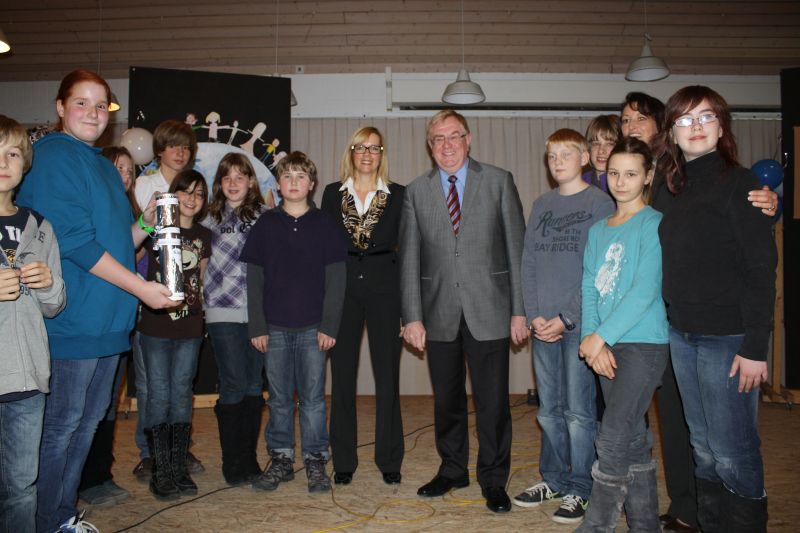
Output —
<point x="51" y="37"/>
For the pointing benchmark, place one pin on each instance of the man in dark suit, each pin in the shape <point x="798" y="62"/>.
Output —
<point x="461" y="236"/>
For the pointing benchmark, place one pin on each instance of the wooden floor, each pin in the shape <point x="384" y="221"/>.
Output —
<point x="370" y="505"/>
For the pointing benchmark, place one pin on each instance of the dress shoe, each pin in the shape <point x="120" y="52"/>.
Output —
<point x="440" y="485"/>
<point x="497" y="499"/>
<point x="342" y="478"/>
<point x="392" y="478"/>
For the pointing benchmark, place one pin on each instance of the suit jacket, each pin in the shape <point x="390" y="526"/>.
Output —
<point x="478" y="273"/>
<point x="373" y="269"/>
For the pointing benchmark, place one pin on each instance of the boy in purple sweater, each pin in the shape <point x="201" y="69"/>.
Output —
<point x="296" y="279"/>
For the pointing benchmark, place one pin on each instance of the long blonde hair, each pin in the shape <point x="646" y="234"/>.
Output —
<point x="346" y="168"/>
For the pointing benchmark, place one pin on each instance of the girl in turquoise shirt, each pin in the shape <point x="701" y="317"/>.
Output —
<point x="625" y="341"/>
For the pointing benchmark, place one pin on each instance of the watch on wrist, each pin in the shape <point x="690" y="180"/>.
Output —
<point x="569" y="325"/>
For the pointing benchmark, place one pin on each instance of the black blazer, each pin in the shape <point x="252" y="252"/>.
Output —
<point x="374" y="269"/>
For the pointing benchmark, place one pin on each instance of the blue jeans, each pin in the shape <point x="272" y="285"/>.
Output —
<point x="623" y="439"/>
<point x="567" y="415"/>
<point x="80" y="391"/>
<point x="141" y="396"/>
<point x="20" y="435"/>
<point x="238" y="362"/>
<point x="722" y="421"/>
<point x="294" y="363"/>
<point x="170" y="366"/>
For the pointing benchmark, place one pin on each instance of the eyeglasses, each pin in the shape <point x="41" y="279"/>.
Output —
<point x="363" y="148"/>
<point x="438" y="140"/>
<point x="686" y="122"/>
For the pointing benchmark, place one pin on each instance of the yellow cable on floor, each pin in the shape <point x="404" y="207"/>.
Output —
<point x="430" y="511"/>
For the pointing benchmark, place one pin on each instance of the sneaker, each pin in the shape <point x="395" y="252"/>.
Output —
<point x="281" y="468"/>
<point x="193" y="464"/>
<point x="571" y="510"/>
<point x="144" y="470"/>
<point x="77" y="524"/>
<point x="318" y="480"/>
<point x="535" y="495"/>
<point x="105" y="494"/>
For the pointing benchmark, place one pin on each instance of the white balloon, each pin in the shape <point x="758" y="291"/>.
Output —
<point x="139" y="143"/>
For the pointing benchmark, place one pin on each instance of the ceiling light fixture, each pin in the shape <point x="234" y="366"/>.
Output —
<point x="113" y="105"/>
<point x="647" y="67"/>
<point x="463" y="91"/>
<point x="5" y="44"/>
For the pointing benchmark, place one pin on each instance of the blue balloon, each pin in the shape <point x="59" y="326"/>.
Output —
<point x="769" y="172"/>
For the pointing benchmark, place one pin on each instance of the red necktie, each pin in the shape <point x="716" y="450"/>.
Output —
<point x="453" y="205"/>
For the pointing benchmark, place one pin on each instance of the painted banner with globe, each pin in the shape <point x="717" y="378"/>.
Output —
<point x="228" y="113"/>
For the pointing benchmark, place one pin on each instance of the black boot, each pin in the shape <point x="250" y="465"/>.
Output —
<point x="161" y="483"/>
<point x="230" y="420"/>
<point x="709" y="501"/>
<point x="743" y="515"/>
<point x="250" y="431"/>
<point x="180" y="447"/>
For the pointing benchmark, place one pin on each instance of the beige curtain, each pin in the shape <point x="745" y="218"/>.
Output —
<point x="515" y="143"/>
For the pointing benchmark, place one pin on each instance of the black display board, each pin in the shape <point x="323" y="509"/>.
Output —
<point x="228" y="112"/>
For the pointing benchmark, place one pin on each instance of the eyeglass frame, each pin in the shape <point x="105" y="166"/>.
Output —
<point x="363" y="149"/>
<point x="439" y="140"/>
<point x="702" y="120"/>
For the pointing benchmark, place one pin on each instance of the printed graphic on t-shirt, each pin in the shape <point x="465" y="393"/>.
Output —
<point x="9" y="240"/>
<point x="559" y="233"/>
<point x="606" y="280"/>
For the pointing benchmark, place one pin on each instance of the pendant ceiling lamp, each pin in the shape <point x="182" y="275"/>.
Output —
<point x="647" y="67"/>
<point x="463" y="91"/>
<point x="5" y="44"/>
<point x="113" y="105"/>
<point x="292" y="99"/>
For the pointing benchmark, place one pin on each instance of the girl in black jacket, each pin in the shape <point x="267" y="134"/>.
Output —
<point x="719" y="285"/>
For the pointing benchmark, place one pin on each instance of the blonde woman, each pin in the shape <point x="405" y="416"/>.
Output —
<point x="367" y="205"/>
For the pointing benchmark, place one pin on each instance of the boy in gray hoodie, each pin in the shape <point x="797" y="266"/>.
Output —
<point x="30" y="288"/>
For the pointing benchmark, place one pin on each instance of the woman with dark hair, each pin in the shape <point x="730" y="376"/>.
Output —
<point x="366" y="206"/>
<point x="81" y="194"/>
<point x="719" y="286"/>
